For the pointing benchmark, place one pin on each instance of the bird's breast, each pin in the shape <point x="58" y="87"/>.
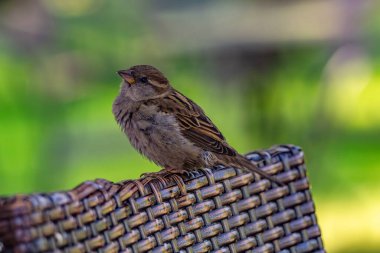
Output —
<point x="157" y="135"/>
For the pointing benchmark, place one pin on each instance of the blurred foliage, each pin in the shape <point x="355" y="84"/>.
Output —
<point x="311" y="88"/>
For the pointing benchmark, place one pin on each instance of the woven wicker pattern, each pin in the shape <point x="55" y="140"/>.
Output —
<point x="222" y="210"/>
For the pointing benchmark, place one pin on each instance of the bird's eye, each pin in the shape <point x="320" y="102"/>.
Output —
<point x="144" y="79"/>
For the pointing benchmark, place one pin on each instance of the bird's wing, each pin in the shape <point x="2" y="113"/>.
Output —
<point x="194" y="124"/>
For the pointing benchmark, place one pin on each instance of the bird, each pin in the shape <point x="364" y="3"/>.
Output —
<point x="170" y="129"/>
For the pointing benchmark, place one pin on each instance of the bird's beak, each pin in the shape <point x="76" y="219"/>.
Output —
<point x="127" y="76"/>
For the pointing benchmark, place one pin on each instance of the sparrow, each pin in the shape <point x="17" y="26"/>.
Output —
<point x="170" y="129"/>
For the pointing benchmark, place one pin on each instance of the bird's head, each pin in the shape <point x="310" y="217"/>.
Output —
<point x="143" y="82"/>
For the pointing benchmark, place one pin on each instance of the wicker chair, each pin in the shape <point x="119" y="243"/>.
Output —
<point x="221" y="210"/>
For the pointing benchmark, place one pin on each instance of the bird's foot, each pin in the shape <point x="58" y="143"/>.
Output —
<point x="166" y="176"/>
<point x="187" y="173"/>
<point x="174" y="174"/>
<point x="156" y="178"/>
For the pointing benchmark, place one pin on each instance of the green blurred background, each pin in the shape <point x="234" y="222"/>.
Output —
<point x="266" y="72"/>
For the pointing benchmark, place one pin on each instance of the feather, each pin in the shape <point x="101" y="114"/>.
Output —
<point x="194" y="124"/>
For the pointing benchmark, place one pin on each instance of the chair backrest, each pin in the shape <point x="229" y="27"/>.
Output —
<point x="221" y="210"/>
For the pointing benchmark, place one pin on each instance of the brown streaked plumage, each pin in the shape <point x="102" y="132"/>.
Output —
<point x="169" y="128"/>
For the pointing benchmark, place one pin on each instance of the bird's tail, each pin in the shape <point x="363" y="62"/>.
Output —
<point x="245" y="164"/>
